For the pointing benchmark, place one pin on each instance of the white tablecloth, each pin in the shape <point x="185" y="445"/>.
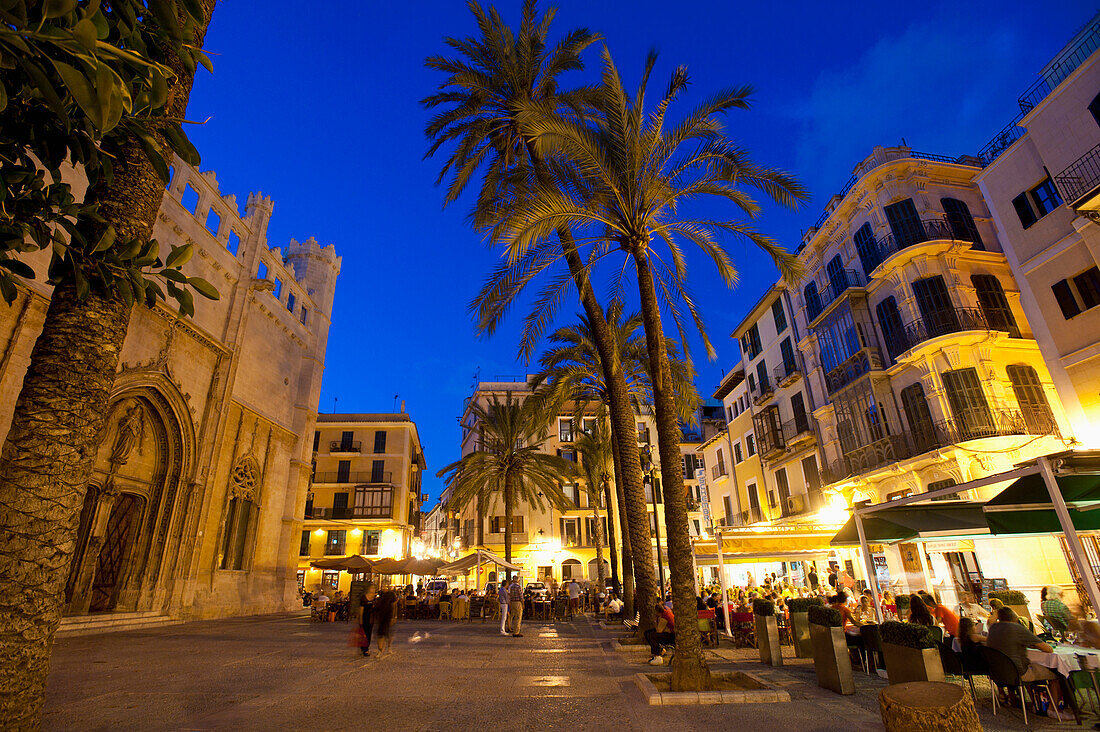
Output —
<point x="1064" y="658"/>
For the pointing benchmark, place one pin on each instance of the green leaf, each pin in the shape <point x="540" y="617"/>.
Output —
<point x="45" y="88"/>
<point x="174" y="275"/>
<point x="82" y="286"/>
<point x="182" y="146"/>
<point x="82" y="91"/>
<point x="85" y="33"/>
<point x="7" y="288"/>
<point x="58" y="8"/>
<point x="167" y="19"/>
<point x="204" y="288"/>
<point x="154" y="152"/>
<point x="180" y="256"/>
<point x="106" y="241"/>
<point x="194" y="9"/>
<point x="16" y="267"/>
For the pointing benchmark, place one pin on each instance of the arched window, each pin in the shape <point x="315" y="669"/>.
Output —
<point x="813" y="300"/>
<point x="994" y="304"/>
<point x="921" y="427"/>
<point x="867" y="248"/>
<point x="1032" y="400"/>
<point x="837" y="279"/>
<point x="240" y="518"/>
<point x="961" y="222"/>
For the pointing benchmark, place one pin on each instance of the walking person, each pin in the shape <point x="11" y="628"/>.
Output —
<point x="502" y="600"/>
<point x="515" y="607"/>
<point x="574" y="590"/>
<point x="366" y="610"/>
<point x="383" y="620"/>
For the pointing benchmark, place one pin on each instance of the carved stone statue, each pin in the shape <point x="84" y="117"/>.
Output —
<point x="131" y="427"/>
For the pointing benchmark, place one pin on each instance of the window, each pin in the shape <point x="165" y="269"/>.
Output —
<point x="565" y="430"/>
<point x="737" y="455"/>
<point x="1024" y="211"/>
<point x="1094" y="109"/>
<point x="372" y="540"/>
<point x="893" y="332"/>
<point x="1046" y="197"/>
<point x="277" y="290"/>
<point x="570" y="532"/>
<point x="813" y="482"/>
<point x="570" y="455"/>
<point x="905" y="223"/>
<point x="750" y="443"/>
<point x="290" y="300"/>
<point x="261" y="271"/>
<point x="1032" y="400"/>
<point x="798" y="411"/>
<point x="1088" y="287"/>
<point x="867" y="249"/>
<point x="378" y="471"/>
<point x="303" y="549"/>
<point x="838" y="280"/>
<point x="190" y="198"/>
<point x="784" y="490"/>
<point x="213" y="222"/>
<point x="497" y="524"/>
<point x="751" y="378"/>
<point x="330" y="579"/>
<point x="727" y="504"/>
<point x="921" y="427"/>
<point x="241" y="515"/>
<point x="936" y="309"/>
<point x="762" y="375"/>
<point x="588" y="425"/>
<point x="379" y="441"/>
<point x="994" y="304"/>
<point x="940" y="485"/>
<point x="787" y="350"/>
<point x="373" y="501"/>
<point x="347" y="441"/>
<point x="573" y="492"/>
<point x="750" y="342"/>
<point x="779" y="316"/>
<point x="233" y="243"/>
<point x="650" y="485"/>
<point x="1066" y="300"/>
<point x="721" y="464"/>
<point x="813" y="300"/>
<point x="643" y="433"/>
<point x="316" y="441"/>
<point x="973" y="419"/>
<point x="594" y="530"/>
<point x="304" y="316"/>
<point x="339" y="505"/>
<point x="343" y="471"/>
<point x="962" y="224"/>
<point x="652" y="524"/>
<point x="335" y="543"/>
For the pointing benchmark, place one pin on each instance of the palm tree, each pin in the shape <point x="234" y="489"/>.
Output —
<point x="509" y="461"/>
<point x="622" y="184"/>
<point x="598" y="464"/>
<point x="491" y="77"/>
<point x="50" y="448"/>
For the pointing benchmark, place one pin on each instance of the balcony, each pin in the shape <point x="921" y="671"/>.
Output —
<point x="345" y="446"/>
<point x="350" y="512"/>
<point x="919" y="232"/>
<point x="786" y="373"/>
<point x="863" y="361"/>
<point x="839" y="283"/>
<point x="336" y="477"/>
<point x="717" y="471"/>
<point x="797" y="431"/>
<point x="762" y="392"/>
<point x="752" y="516"/>
<point x="940" y="323"/>
<point x="769" y="432"/>
<point x="1079" y="182"/>
<point x="976" y="425"/>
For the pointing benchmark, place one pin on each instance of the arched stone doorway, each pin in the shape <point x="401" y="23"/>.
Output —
<point x="571" y="569"/>
<point x="124" y="536"/>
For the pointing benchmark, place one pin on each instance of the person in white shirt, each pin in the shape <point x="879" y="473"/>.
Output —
<point x="502" y="599"/>
<point x="574" y="591"/>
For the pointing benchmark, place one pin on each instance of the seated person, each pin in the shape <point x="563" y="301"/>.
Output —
<point x="851" y="623"/>
<point x="970" y="609"/>
<point x="948" y="619"/>
<point x="613" y="608"/>
<point x="445" y="596"/>
<point x="1055" y="610"/>
<point x="1012" y="639"/>
<point x="663" y="635"/>
<point x="970" y="635"/>
<point x="919" y="612"/>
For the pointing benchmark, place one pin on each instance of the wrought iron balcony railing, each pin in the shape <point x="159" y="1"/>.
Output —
<point x="919" y="232"/>
<point x="357" y="477"/>
<point x="786" y="372"/>
<point x="717" y="471"/>
<point x="762" y="391"/>
<point x="861" y="362"/>
<point x="1080" y="178"/>
<point x="938" y="323"/>
<point x="351" y="512"/>
<point x="345" y="446"/>
<point x="837" y="284"/>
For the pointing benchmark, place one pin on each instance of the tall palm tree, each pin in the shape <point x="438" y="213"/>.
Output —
<point x="491" y="77"/>
<point x="48" y="455"/>
<point x="598" y="464"/>
<point x="509" y="461"/>
<point x="623" y="182"/>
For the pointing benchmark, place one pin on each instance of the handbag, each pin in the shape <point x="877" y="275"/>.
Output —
<point x="357" y="638"/>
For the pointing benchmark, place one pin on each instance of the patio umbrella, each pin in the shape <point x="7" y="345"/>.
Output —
<point x="903" y="523"/>
<point x="1025" y="506"/>
<point x="354" y="563"/>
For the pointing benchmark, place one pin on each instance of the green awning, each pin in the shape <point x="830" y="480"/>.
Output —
<point x="923" y="521"/>
<point x="1025" y="508"/>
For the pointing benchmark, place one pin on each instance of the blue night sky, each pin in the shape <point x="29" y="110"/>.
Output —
<point x="323" y="116"/>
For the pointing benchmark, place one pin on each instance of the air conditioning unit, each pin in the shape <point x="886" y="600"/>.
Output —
<point x="796" y="504"/>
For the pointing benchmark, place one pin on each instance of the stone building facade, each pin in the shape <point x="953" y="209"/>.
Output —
<point x="195" y="504"/>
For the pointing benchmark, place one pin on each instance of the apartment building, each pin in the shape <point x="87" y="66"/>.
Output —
<point x="1042" y="184"/>
<point x="914" y="334"/>
<point x="364" y="495"/>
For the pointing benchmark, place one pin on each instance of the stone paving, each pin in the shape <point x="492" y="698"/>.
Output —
<point x="281" y="671"/>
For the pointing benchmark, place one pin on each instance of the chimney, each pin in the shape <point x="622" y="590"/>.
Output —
<point x="402" y="406"/>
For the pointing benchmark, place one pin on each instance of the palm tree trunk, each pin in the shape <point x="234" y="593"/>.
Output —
<point x="49" y="453"/>
<point x="611" y="538"/>
<point x="624" y="532"/>
<point x="601" y="575"/>
<point x="622" y="422"/>
<point x="509" y="503"/>
<point x="689" y="669"/>
<point x="480" y="520"/>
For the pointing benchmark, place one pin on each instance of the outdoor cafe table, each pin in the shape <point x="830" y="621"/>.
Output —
<point x="1064" y="658"/>
<point x="540" y="609"/>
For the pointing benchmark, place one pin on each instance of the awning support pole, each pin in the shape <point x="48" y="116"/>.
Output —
<point x="478" y="586"/>
<point x="868" y="564"/>
<point x="722" y="584"/>
<point x="1072" y="540"/>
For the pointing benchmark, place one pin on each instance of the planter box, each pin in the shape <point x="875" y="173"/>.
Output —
<point x="832" y="663"/>
<point x="912" y="664"/>
<point x="800" y="631"/>
<point x="767" y="640"/>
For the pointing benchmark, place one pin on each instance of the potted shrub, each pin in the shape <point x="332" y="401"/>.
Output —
<point x="767" y="632"/>
<point x="832" y="664"/>
<point x="902" y="603"/>
<point x="1013" y="599"/>
<point x="910" y="652"/>
<point x="800" y="624"/>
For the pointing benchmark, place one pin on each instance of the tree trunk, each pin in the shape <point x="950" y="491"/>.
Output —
<point x="601" y="574"/>
<point x="480" y="520"/>
<point x="689" y="669"/>
<point x="49" y="453"/>
<point x="509" y="504"/>
<point x="622" y="421"/>
<point x="611" y="539"/>
<point x="624" y="533"/>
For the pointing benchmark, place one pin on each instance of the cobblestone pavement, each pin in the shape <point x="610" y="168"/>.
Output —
<point x="281" y="671"/>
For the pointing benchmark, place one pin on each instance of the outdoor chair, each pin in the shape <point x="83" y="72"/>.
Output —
<point x="855" y="643"/>
<point x="951" y="661"/>
<point x="973" y="664"/>
<point x="444" y="611"/>
<point x="318" y="612"/>
<point x="1003" y="673"/>
<point x="633" y="624"/>
<point x="1084" y="679"/>
<point x="743" y="629"/>
<point x="872" y="647"/>
<point x="708" y="631"/>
